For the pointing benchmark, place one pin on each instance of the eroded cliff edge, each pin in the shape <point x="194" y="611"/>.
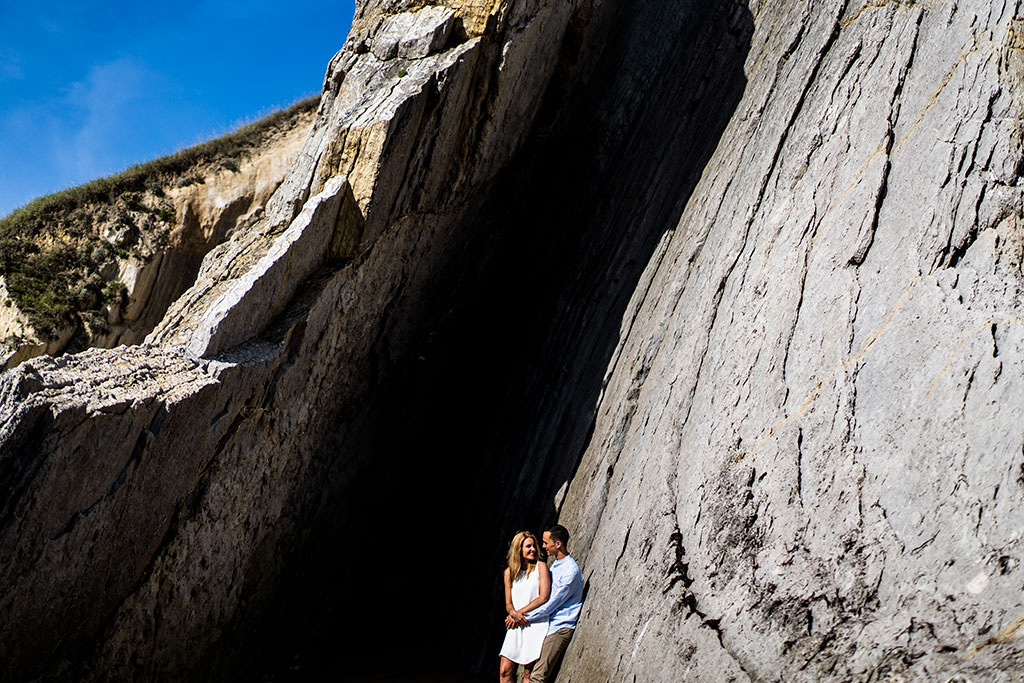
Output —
<point x="479" y="243"/>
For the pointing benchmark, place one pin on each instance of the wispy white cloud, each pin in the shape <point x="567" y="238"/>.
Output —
<point x="10" y="66"/>
<point x="100" y="109"/>
<point x="75" y="134"/>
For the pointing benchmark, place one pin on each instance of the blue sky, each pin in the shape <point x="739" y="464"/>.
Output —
<point x="89" y="88"/>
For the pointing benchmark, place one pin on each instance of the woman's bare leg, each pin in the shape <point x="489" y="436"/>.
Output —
<point x="527" y="670"/>
<point x="507" y="670"/>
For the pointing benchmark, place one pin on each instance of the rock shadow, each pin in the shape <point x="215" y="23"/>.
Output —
<point x="474" y="434"/>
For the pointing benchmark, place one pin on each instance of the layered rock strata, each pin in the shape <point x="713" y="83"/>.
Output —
<point x="730" y="289"/>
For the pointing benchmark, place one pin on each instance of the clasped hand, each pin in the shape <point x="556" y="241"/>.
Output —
<point x="515" y="620"/>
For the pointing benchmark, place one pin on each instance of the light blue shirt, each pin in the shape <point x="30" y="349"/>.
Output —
<point x="566" y="599"/>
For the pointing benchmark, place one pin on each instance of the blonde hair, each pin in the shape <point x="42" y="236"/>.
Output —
<point x="515" y="555"/>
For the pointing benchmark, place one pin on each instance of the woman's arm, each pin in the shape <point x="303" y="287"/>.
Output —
<point x="545" y="589"/>
<point x="513" y="615"/>
<point x="508" y="596"/>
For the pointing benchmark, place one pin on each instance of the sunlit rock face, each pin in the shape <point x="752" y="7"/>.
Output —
<point x="806" y="458"/>
<point x="729" y="289"/>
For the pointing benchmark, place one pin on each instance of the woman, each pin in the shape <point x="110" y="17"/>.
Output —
<point x="527" y="586"/>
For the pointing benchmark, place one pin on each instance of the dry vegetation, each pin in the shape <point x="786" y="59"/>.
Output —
<point x="53" y="249"/>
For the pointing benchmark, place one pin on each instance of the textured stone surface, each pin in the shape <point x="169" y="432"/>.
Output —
<point x="807" y="455"/>
<point x="731" y="289"/>
<point x="244" y="305"/>
<point x="413" y="35"/>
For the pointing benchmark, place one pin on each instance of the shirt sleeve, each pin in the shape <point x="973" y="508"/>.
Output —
<point x="560" y="590"/>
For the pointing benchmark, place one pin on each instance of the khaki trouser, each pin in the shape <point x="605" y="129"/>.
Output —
<point x="551" y="654"/>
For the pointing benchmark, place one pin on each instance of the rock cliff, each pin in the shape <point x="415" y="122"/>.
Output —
<point x="99" y="265"/>
<point x="730" y="289"/>
<point x="807" y="452"/>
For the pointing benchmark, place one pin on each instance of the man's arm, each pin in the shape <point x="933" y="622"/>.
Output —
<point x="561" y="585"/>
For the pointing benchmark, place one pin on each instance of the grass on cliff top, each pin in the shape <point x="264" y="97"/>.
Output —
<point x="50" y="280"/>
<point x="137" y="177"/>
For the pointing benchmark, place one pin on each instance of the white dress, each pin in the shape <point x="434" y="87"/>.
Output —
<point x="522" y="644"/>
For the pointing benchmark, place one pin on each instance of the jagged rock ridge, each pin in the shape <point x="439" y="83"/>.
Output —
<point x="774" y="300"/>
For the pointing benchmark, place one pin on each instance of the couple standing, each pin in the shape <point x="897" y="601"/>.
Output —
<point x="543" y="605"/>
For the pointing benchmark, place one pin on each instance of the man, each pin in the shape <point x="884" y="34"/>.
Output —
<point x="562" y="608"/>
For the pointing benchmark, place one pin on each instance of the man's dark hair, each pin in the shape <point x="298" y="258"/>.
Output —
<point x="559" y="533"/>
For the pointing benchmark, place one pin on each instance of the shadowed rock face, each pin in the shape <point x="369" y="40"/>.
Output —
<point x="496" y="402"/>
<point x="730" y="289"/>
